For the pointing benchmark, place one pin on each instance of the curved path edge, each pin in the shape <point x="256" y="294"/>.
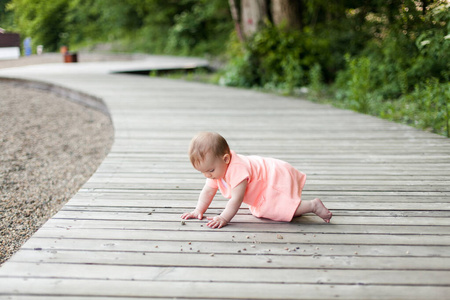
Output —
<point x="388" y="186"/>
<point x="68" y="93"/>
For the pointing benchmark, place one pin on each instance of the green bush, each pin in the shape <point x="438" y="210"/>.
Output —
<point x="427" y="107"/>
<point x="204" y="28"/>
<point x="315" y="82"/>
<point x="390" y="77"/>
<point x="185" y="27"/>
<point x="359" y="85"/>
<point x="44" y="21"/>
<point x="274" y="58"/>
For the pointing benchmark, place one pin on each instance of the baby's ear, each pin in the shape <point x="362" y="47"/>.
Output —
<point x="227" y="158"/>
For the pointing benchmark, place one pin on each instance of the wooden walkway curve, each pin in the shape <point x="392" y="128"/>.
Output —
<point x="121" y="235"/>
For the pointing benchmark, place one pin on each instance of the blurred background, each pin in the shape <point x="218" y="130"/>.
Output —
<point x="389" y="58"/>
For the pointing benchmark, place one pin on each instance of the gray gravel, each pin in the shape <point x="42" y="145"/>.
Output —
<point x="49" y="147"/>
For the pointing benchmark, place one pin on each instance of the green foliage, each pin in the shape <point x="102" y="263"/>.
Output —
<point x="240" y="70"/>
<point x="376" y="57"/>
<point x="187" y="27"/>
<point x="359" y="85"/>
<point x="379" y="57"/>
<point x="6" y="16"/>
<point x="199" y="29"/>
<point x="273" y="58"/>
<point x="355" y="85"/>
<point x="390" y="77"/>
<point x="42" y="20"/>
<point x="427" y="107"/>
<point x="405" y="58"/>
<point x="315" y="81"/>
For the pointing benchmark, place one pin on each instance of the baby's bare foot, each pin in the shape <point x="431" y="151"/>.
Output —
<point x="321" y="210"/>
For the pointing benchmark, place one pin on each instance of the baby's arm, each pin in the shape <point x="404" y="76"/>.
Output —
<point x="233" y="205"/>
<point x="204" y="200"/>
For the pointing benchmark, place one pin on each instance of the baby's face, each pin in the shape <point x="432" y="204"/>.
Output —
<point x="214" y="167"/>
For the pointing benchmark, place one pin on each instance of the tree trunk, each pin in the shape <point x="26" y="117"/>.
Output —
<point x="253" y="14"/>
<point x="287" y="12"/>
<point x="235" y="15"/>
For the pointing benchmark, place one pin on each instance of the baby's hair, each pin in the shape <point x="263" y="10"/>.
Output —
<point x="204" y="143"/>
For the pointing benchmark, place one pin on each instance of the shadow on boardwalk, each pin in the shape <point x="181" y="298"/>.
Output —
<point x="121" y="235"/>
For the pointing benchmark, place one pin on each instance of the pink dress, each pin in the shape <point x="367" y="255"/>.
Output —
<point x="274" y="187"/>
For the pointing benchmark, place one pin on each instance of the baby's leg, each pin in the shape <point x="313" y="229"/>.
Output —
<point x="314" y="206"/>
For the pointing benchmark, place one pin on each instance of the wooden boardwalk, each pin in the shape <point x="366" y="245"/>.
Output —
<point x="121" y="235"/>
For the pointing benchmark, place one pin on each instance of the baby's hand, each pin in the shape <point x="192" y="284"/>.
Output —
<point x="192" y="215"/>
<point x="216" y="222"/>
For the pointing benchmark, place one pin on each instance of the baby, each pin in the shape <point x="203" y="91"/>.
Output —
<point x="272" y="188"/>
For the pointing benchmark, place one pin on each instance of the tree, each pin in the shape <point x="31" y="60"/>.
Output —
<point x="188" y="27"/>
<point x="235" y="16"/>
<point x="287" y="12"/>
<point x="253" y="14"/>
<point x="44" y="21"/>
<point x="6" y="17"/>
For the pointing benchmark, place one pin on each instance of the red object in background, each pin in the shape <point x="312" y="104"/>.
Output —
<point x="70" y="57"/>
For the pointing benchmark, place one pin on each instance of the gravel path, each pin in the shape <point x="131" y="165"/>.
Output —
<point x="49" y="147"/>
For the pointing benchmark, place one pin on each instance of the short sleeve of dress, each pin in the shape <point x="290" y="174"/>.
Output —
<point x="237" y="173"/>
<point x="211" y="183"/>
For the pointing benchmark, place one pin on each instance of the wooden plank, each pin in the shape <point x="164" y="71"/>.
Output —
<point x="198" y="181"/>
<point x="118" y="181"/>
<point x="170" y="214"/>
<point x="285" y="276"/>
<point x="373" y="220"/>
<point x="212" y="290"/>
<point x="311" y="228"/>
<point x="330" y="196"/>
<point x="309" y="248"/>
<point x="352" y="186"/>
<point x="219" y="260"/>
<point x="86" y="204"/>
<point x="246" y="237"/>
<point x="192" y="195"/>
